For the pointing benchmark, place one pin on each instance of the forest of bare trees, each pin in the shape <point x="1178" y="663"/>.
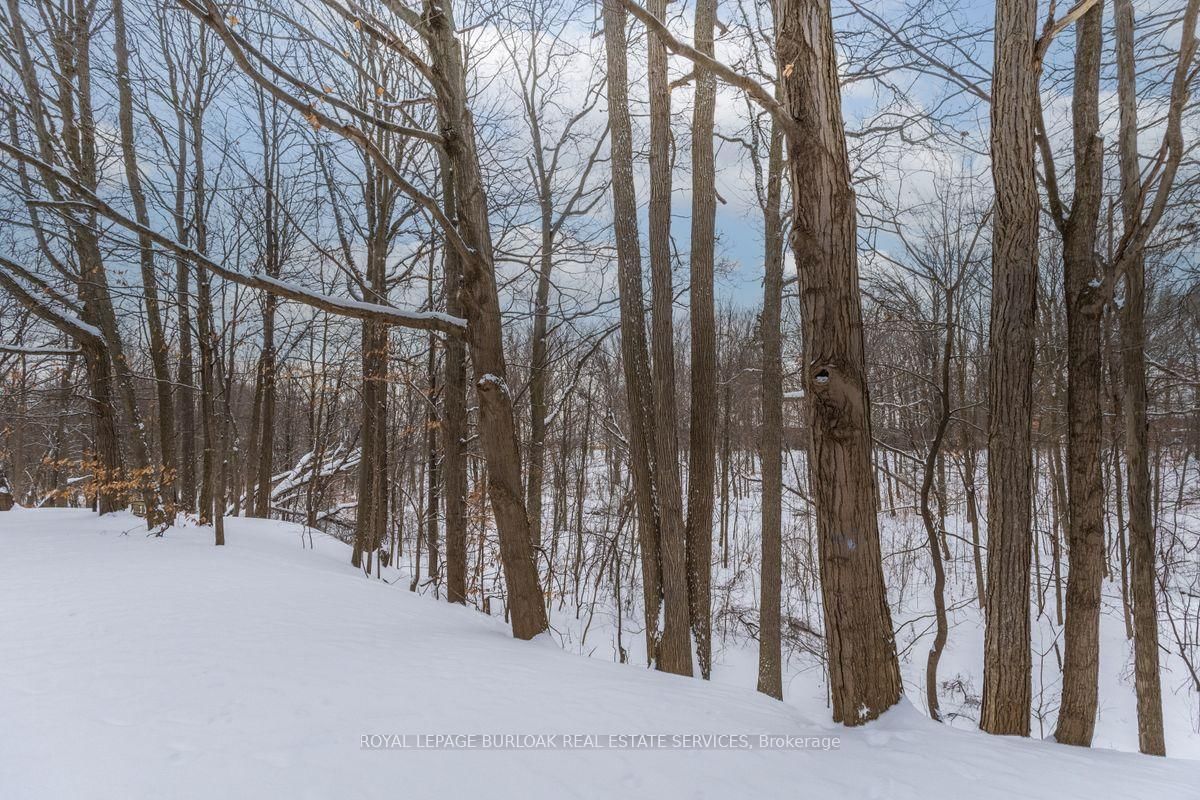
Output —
<point x="668" y="314"/>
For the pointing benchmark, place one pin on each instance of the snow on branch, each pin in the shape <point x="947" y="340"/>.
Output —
<point x="422" y="320"/>
<point x="11" y="280"/>
<point x="38" y="351"/>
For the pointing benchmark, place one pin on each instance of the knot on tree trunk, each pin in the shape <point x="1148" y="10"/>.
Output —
<point x="837" y="402"/>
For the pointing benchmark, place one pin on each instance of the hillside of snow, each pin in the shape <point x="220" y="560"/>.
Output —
<point x="136" y="667"/>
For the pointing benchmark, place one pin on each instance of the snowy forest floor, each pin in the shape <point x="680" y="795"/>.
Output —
<point x="165" y="667"/>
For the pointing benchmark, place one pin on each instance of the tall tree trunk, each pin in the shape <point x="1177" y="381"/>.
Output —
<point x="266" y="424"/>
<point x="1085" y="418"/>
<point x="702" y="434"/>
<point x="539" y="356"/>
<point x="481" y="303"/>
<point x="931" y="526"/>
<point x="81" y="130"/>
<point x="158" y="344"/>
<point x="204" y="313"/>
<point x="634" y="356"/>
<point x="1007" y="690"/>
<point x="212" y="494"/>
<point x="371" y="516"/>
<point x="454" y="415"/>
<point x="209" y="512"/>
<point x="220" y="405"/>
<point x="432" y="497"/>
<point x="863" y="670"/>
<point x="185" y="394"/>
<point x="265" y="432"/>
<point x="770" y="652"/>
<point x="966" y="445"/>
<point x="674" y="648"/>
<point x="250" y="470"/>
<point x="1142" y="536"/>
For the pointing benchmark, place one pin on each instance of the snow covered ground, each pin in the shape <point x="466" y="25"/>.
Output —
<point x="136" y="667"/>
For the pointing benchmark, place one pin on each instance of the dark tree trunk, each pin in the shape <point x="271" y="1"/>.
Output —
<point x="931" y="526"/>
<point x="158" y="344"/>
<point x="1085" y="418"/>
<point x="454" y="414"/>
<point x="702" y="433"/>
<point x="497" y="426"/>
<point x="770" y="653"/>
<point x="863" y="669"/>
<point x="674" y="648"/>
<point x="1007" y="691"/>
<point x="634" y="357"/>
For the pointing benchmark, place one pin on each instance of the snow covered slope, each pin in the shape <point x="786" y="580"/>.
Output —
<point x="168" y="668"/>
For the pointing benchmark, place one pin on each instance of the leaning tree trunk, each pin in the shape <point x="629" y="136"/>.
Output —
<point x="106" y="455"/>
<point x="481" y="303"/>
<point x="1007" y="691"/>
<point x="864" y="673"/>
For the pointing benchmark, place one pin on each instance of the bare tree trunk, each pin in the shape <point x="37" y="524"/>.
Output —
<point x="264" y="433"/>
<point x="371" y="518"/>
<point x="863" y="670"/>
<point x="220" y="404"/>
<point x="1007" y="690"/>
<point x="770" y="653"/>
<point x="212" y="490"/>
<point x="107" y="450"/>
<point x="931" y="529"/>
<point x="969" y="464"/>
<point x="454" y="414"/>
<point x="1142" y="534"/>
<point x="185" y="395"/>
<point x="209" y="511"/>
<point x="70" y="35"/>
<point x="674" y="648"/>
<point x="1085" y="418"/>
<point x="634" y="356"/>
<point x="265" y="430"/>
<point x="702" y="434"/>
<point x="539" y="356"/>
<point x="433" y="500"/>
<point x="82" y="131"/>
<point x="250" y="471"/>
<point x="498" y="434"/>
<point x="204" y="318"/>
<point x="158" y="344"/>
